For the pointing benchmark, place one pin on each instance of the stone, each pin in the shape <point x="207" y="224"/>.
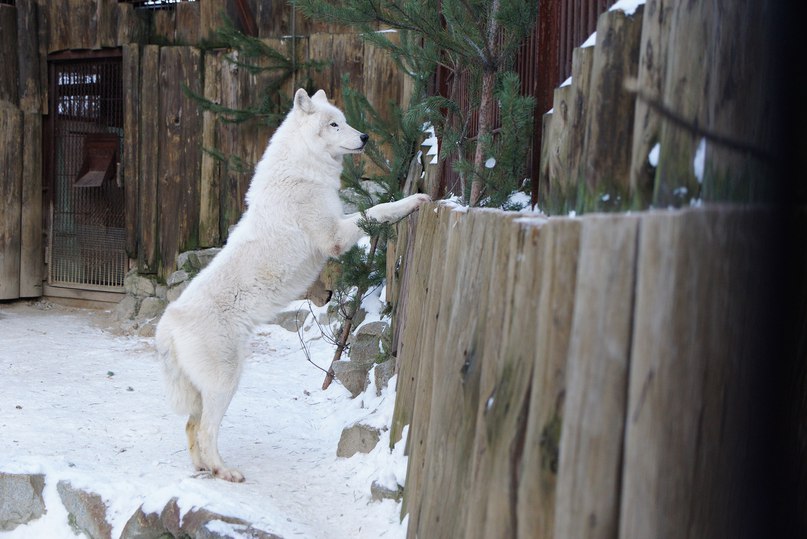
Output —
<point x="87" y="510"/>
<point x="198" y="523"/>
<point x="365" y="348"/>
<point x="179" y="276"/>
<point x="380" y="492"/>
<point x="357" y="438"/>
<point x="291" y="320"/>
<point x="351" y="375"/>
<point x="143" y="525"/>
<point x="175" y="291"/>
<point x="151" y="308"/>
<point x="20" y="499"/>
<point x="193" y="261"/>
<point x="126" y="309"/>
<point x="138" y="285"/>
<point x="383" y="372"/>
<point x="149" y="329"/>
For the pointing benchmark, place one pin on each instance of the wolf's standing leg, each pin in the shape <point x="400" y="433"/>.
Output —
<point x="214" y="404"/>
<point x="192" y="430"/>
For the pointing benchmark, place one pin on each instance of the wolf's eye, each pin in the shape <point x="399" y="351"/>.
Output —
<point x="334" y="124"/>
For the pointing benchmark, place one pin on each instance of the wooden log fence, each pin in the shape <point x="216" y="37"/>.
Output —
<point x="580" y="377"/>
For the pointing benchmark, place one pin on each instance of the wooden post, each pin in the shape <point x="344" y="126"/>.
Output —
<point x="130" y="164"/>
<point x="210" y="188"/>
<point x="9" y="74"/>
<point x="535" y="501"/>
<point x="150" y="149"/>
<point x="517" y="252"/>
<point x="695" y="436"/>
<point x="650" y="81"/>
<point x="11" y="165"/>
<point x="31" y="249"/>
<point x="587" y="505"/>
<point x="418" y="342"/>
<point x="610" y="108"/>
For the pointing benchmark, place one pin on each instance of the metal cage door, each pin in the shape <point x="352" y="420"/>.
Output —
<point x="88" y="237"/>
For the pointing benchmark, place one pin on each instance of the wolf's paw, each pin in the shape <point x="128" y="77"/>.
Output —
<point x="228" y="474"/>
<point x="416" y="201"/>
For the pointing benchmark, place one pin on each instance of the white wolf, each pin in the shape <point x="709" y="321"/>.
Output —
<point x="293" y="223"/>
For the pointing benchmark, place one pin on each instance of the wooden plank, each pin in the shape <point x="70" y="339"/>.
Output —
<point x="210" y="186"/>
<point x="587" y="503"/>
<point x="459" y="357"/>
<point x="150" y="155"/>
<point x="348" y="59"/>
<point x="106" y="15"/>
<point x="696" y="431"/>
<point x="650" y="81"/>
<point x="188" y="22"/>
<point x="562" y="193"/>
<point x="82" y="21"/>
<point x="535" y="505"/>
<point x="57" y="31"/>
<point x="687" y="68"/>
<point x="30" y="77"/>
<point x="9" y="74"/>
<point x="582" y="61"/>
<point x="130" y="164"/>
<point x="320" y="47"/>
<point x="412" y="321"/>
<point x="11" y="137"/>
<point x="164" y="26"/>
<point x="511" y="314"/>
<point x="422" y="345"/>
<point x="610" y="110"/>
<point x="179" y="161"/>
<point x="32" y="262"/>
<point x="132" y="25"/>
<point x="384" y="87"/>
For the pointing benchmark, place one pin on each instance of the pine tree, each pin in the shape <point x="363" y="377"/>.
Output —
<point x="477" y="37"/>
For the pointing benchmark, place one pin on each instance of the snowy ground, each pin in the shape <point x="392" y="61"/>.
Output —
<point x="79" y="403"/>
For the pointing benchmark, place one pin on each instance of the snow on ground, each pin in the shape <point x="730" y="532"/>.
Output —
<point x="80" y="403"/>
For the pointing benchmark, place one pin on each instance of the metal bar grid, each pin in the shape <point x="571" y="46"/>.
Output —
<point x="88" y="237"/>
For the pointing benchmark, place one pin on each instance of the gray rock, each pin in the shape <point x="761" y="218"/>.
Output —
<point x="20" y="499"/>
<point x="193" y="261"/>
<point x="148" y="329"/>
<point x="357" y="438"/>
<point x="151" y="308"/>
<point x="179" y="276"/>
<point x="351" y="375"/>
<point x="365" y="346"/>
<point x="291" y="320"/>
<point x="87" y="509"/>
<point x="194" y="524"/>
<point x="144" y="526"/>
<point x="175" y="291"/>
<point x="126" y="309"/>
<point x="140" y="286"/>
<point x="161" y="291"/>
<point x="383" y="372"/>
<point x="380" y="492"/>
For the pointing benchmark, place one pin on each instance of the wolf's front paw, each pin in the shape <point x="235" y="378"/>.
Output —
<point x="229" y="474"/>
<point x="416" y="201"/>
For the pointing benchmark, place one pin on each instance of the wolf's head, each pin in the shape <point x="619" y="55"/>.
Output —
<point x="325" y="125"/>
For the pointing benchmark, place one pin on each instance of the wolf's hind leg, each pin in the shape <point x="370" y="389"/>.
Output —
<point x="192" y="430"/>
<point x="214" y="404"/>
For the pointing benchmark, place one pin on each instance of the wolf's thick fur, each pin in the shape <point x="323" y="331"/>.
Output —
<point x="293" y="223"/>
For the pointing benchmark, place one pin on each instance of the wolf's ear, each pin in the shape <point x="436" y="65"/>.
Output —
<point x="303" y="102"/>
<point x="320" y="96"/>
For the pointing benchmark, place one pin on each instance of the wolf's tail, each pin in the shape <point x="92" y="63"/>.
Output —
<point x="182" y="394"/>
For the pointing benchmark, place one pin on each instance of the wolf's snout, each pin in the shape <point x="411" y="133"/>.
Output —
<point x="364" y="138"/>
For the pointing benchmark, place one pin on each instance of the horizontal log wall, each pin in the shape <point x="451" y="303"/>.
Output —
<point x="589" y="377"/>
